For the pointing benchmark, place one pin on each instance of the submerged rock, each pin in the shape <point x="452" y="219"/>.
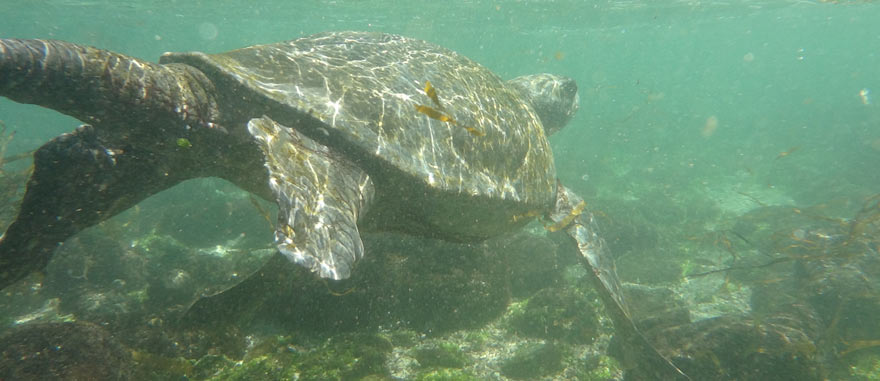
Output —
<point x="534" y="262"/>
<point x="739" y="348"/>
<point x="444" y="355"/>
<point x="428" y="285"/>
<point x="557" y="314"/>
<point x="62" y="351"/>
<point x="534" y="361"/>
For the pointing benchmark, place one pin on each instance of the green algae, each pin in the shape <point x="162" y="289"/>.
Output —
<point x="445" y="374"/>
<point x="534" y="361"/>
<point x="341" y="357"/>
<point x="565" y="314"/>
<point x="442" y="355"/>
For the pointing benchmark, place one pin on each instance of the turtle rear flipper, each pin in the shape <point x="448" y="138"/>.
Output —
<point x="570" y="215"/>
<point x="78" y="181"/>
<point x="320" y="195"/>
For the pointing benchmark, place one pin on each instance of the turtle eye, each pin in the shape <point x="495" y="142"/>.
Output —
<point x="569" y="88"/>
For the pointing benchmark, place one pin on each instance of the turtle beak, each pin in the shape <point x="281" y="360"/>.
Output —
<point x="569" y="88"/>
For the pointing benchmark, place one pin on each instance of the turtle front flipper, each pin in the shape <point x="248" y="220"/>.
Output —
<point x="571" y="216"/>
<point x="137" y="111"/>
<point x="79" y="180"/>
<point x="320" y="195"/>
<point x="101" y="87"/>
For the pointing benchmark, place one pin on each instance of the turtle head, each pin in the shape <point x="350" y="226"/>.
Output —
<point x="554" y="98"/>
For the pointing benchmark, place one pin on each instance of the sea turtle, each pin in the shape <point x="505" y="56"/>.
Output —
<point x="347" y="131"/>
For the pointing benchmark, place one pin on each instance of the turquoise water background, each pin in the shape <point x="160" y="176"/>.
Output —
<point x="693" y="113"/>
<point x="774" y="75"/>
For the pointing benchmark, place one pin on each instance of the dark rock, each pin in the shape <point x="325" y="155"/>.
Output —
<point x="653" y="307"/>
<point x="557" y="314"/>
<point x="629" y="227"/>
<point x="534" y="361"/>
<point x="62" y="351"/>
<point x="532" y="260"/>
<point x="210" y="365"/>
<point x="737" y="348"/>
<point x="403" y="281"/>
<point x="347" y="357"/>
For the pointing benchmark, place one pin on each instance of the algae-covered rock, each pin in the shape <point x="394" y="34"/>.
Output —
<point x="557" y="314"/>
<point x="443" y="355"/>
<point x="346" y="357"/>
<point x="210" y="365"/>
<point x="341" y="357"/>
<point x="533" y="262"/>
<point x="445" y="374"/>
<point x="153" y="366"/>
<point x="427" y="285"/>
<point x="654" y="307"/>
<point x="263" y="368"/>
<point x="62" y="351"/>
<point x="534" y="361"/>
<point x="740" y="348"/>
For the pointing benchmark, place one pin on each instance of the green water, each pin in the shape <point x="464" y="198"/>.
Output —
<point x="693" y="113"/>
<point x="776" y="75"/>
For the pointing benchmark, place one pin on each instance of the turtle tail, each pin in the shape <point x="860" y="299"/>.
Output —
<point x="102" y="87"/>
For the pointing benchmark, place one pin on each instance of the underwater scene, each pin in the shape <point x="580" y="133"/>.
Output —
<point x="690" y="192"/>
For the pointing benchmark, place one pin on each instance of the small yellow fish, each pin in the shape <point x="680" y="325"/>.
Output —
<point x="474" y="131"/>
<point x="789" y="152"/>
<point x="434" y="113"/>
<point x="441" y="116"/>
<point x="184" y="143"/>
<point x="432" y="93"/>
<point x="440" y="113"/>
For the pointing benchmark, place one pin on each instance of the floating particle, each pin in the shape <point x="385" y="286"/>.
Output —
<point x="710" y="126"/>
<point x="865" y="94"/>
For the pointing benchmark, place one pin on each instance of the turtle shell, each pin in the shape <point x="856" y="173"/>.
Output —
<point x="465" y="165"/>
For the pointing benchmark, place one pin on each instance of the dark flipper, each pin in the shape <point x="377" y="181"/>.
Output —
<point x="101" y="87"/>
<point x="580" y="224"/>
<point x="79" y="180"/>
<point x="139" y="111"/>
